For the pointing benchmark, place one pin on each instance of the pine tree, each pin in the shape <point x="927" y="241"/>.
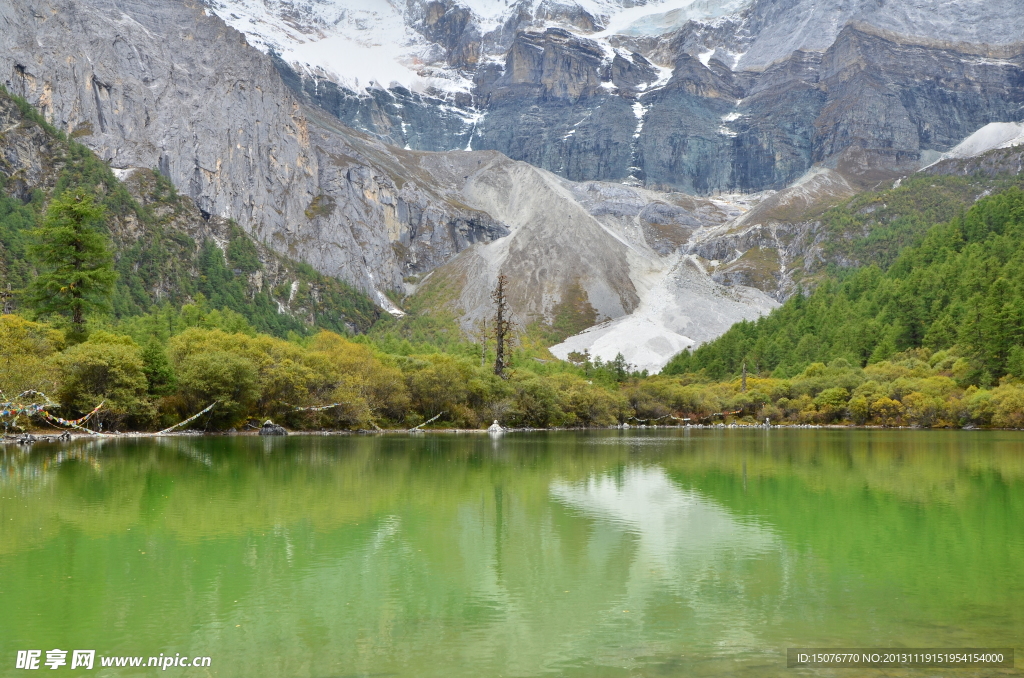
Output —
<point x="157" y="368"/>
<point x="620" y="367"/>
<point x="76" y="269"/>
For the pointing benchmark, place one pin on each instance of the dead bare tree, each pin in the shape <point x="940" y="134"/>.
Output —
<point x="8" y="298"/>
<point x="503" y="326"/>
<point x="482" y="335"/>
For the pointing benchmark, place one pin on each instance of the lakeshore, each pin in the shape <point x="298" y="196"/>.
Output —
<point x="30" y="438"/>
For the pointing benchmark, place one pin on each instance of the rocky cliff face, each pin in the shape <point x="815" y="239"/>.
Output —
<point x="869" y="105"/>
<point x="162" y="240"/>
<point x="30" y="159"/>
<point x="691" y="99"/>
<point x="891" y="101"/>
<point x="397" y="116"/>
<point x="167" y="86"/>
<point x="1000" y="161"/>
<point x="777" y="28"/>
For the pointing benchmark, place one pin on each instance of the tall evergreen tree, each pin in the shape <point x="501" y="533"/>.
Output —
<point x="76" y="268"/>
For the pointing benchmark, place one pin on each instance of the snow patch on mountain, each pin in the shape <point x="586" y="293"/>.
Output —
<point x="366" y="43"/>
<point x="665" y="17"/>
<point x="357" y="43"/>
<point x="990" y="137"/>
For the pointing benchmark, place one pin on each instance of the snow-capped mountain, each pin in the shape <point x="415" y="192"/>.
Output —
<point x="385" y="43"/>
<point x="693" y="95"/>
<point x="356" y="43"/>
<point x="360" y="43"/>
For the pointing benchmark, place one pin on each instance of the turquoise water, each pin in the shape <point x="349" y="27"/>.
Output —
<point x="610" y="553"/>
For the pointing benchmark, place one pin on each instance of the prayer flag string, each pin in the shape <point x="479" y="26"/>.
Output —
<point x="317" y="408"/>
<point x="189" y="420"/>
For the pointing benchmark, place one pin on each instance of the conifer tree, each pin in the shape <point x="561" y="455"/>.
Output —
<point x="76" y="269"/>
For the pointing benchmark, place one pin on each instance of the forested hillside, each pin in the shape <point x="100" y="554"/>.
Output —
<point x="961" y="288"/>
<point x="875" y="226"/>
<point x="167" y="252"/>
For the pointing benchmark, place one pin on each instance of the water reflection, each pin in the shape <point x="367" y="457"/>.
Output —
<point x="553" y="554"/>
<point x="685" y="543"/>
<point x="672" y="523"/>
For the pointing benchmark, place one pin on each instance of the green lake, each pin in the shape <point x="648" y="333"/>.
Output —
<point x="658" y="552"/>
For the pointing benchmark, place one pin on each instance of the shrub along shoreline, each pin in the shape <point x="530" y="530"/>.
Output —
<point x="338" y="383"/>
<point x="40" y="435"/>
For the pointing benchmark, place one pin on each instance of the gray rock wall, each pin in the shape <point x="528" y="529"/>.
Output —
<point x="166" y="85"/>
<point x="863" y="98"/>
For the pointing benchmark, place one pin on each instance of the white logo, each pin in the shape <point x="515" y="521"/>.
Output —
<point x="56" y="658"/>
<point x="82" y="659"/>
<point x="28" y="659"/>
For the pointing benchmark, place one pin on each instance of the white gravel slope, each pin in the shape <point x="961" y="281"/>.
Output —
<point x="684" y="309"/>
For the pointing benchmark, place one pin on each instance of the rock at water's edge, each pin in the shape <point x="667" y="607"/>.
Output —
<point x="269" y="428"/>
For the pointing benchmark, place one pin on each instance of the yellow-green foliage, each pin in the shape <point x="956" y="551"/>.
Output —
<point x="265" y="377"/>
<point x="107" y="368"/>
<point x="349" y="373"/>
<point x="587" y="404"/>
<point x="915" y="388"/>
<point x="328" y="381"/>
<point x="441" y="383"/>
<point x="27" y="356"/>
<point x="245" y="375"/>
